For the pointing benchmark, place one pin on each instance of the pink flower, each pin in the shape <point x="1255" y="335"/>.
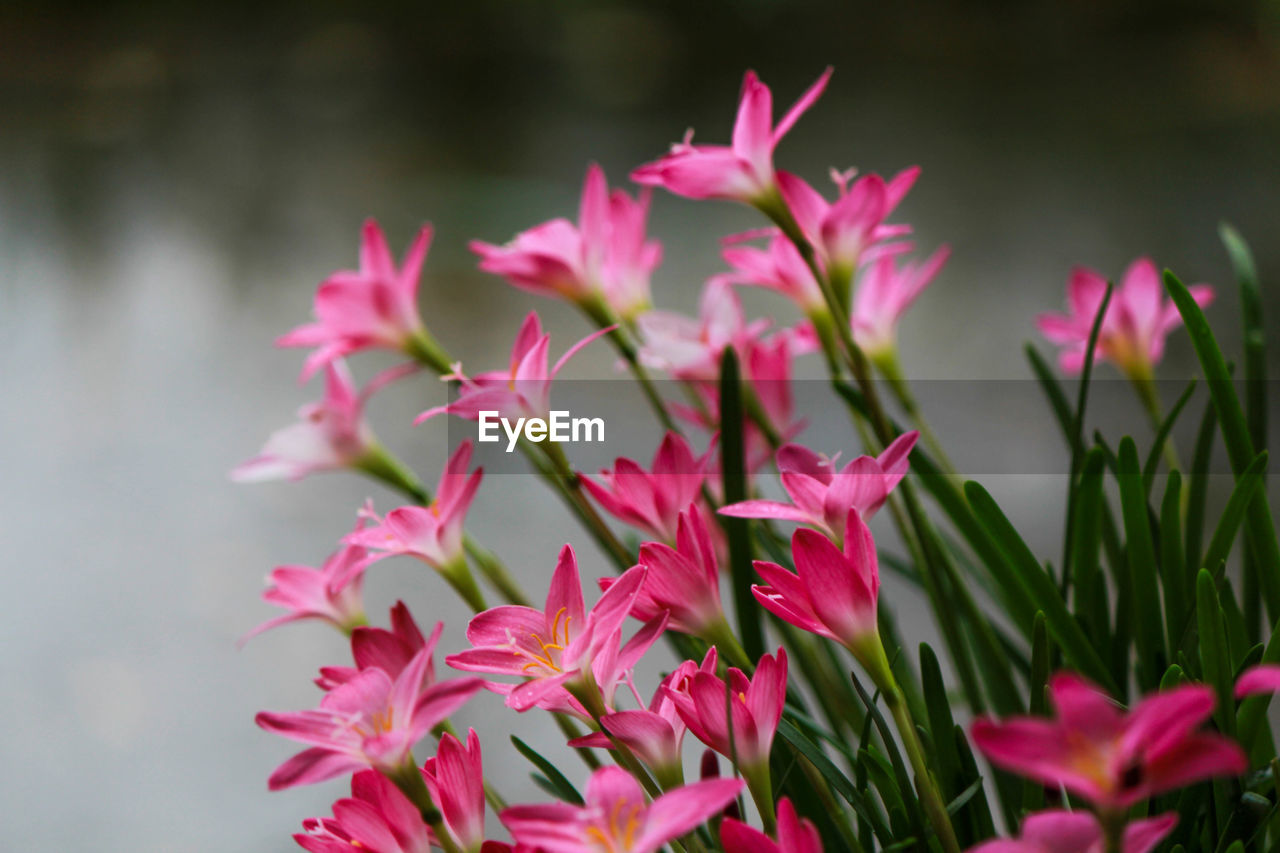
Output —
<point x="616" y="818"/>
<point x="884" y="294"/>
<point x="455" y="779"/>
<point x="777" y="267"/>
<point x="331" y="593"/>
<point x="373" y="307"/>
<point x="561" y="648"/>
<point x="690" y="349"/>
<point x="794" y="835"/>
<point x="1109" y="757"/>
<point x="330" y="435"/>
<point x="433" y="534"/>
<point x="1058" y="831"/>
<point x="834" y="592"/>
<point x="521" y="391"/>
<point x="390" y="651"/>
<point x="370" y="721"/>
<point x="652" y="500"/>
<point x="376" y="817"/>
<point x="755" y="703"/>
<point x="1133" y="330"/>
<point x="743" y="171"/>
<point x="1262" y="678"/>
<point x="604" y="257"/>
<point x="822" y="496"/>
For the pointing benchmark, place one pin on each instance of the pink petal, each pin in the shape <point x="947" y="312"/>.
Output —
<point x="802" y="105"/>
<point x="310" y="766"/>
<point x="1263" y="678"/>
<point x="684" y="809"/>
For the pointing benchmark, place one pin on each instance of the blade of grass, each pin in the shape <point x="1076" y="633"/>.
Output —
<point x="733" y="466"/>
<point x="1149" y="629"/>
<point x="1173" y="572"/>
<point x="1152" y="464"/>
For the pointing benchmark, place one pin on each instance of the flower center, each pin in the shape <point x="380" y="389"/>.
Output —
<point x="547" y="659"/>
<point x="619" y="834"/>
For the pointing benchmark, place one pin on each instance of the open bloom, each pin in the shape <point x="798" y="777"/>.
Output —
<point x="1263" y="678"/>
<point x="1111" y="758"/>
<point x="777" y="267"/>
<point x="375" y="306"/>
<point x="455" y="779"/>
<point x="331" y="593"/>
<point x="884" y="294"/>
<point x="834" y="592"/>
<point x="433" y="533"/>
<point x="653" y="500"/>
<point x="523" y="390"/>
<point x="822" y="496"/>
<point x="1134" y="328"/>
<point x="604" y="257"/>
<point x="755" y="703"/>
<point x="377" y="816"/>
<point x="330" y="434"/>
<point x="742" y="171"/>
<point x="616" y="817"/>
<point x="794" y="834"/>
<point x="370" y="721"/>
<point x="690" y="349"/>
<point x="1058" y="831"/>
<point x="561" y="648"/>
<point x="388" y="650"/>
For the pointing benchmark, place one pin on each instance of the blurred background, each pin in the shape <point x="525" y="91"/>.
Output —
<point x="176" y="179"/>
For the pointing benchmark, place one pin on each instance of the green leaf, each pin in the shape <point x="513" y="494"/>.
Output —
<point x="1053" y="391"/>
<point x="1215" y="660"/>
<point x="981" y="825"/>
<point x="1033" y="792"/>
<point x="733" y="466"/>
<point x="1173" y="571"/>
<point x="1090" y="586"/>
<point x="1198" y="487"/>
<point x="1149" y="633"/>
<point x="941" y="723"/>
<point x="558" y="786"/>
<point x="1162" y="435"/>
<point x="1255" y="353"/>
<point x="835" y="779"/>
<point x="1246" y="491"/>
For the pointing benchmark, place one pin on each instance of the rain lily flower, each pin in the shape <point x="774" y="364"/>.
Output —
<point x="331" y="434"/>
<point x="377" y="816"/>
<point x="1058" y="831"/>
<point x="370" y="721"/>
<point x="1262" y="678"/>
<point x="331" y="593"/>
<point x="603" y="260"/>
<point x="1112" y="758"/>
<point x="562" y="651"/>
<point x="616" y="816"/>
<point x="794" y="834"/>
<point x="390" y="651"/>
<point x="523" y="390"/>
<point x="375" y="306"/>
<point x="777" y="267"/>
<point x="742" y="171"/>
<point x="455" y="779"/>
<point x="690" y="349"/>
<point x="653" y="500"/>
<point x="1134" y="328"/>
<point x="821" y="496"/>
<point x="883" y="295"/>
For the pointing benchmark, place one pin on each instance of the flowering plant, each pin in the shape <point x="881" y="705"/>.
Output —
<point x="1110" y="700"/>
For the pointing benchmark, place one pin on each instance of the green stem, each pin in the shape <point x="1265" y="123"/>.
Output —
<point x="891" y="368"/>
<point x="1145" y="386"/>
<point x="760" y="784"/>
<point x="423" y="348"/>
<point x="566" y="481"/>
<point x="459" y="577"/>
<point x="410" y="782"/>
<point x="495" y="572"/>
<point x="726" y="642"/>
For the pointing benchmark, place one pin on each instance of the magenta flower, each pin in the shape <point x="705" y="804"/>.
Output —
<point x="777" y="267"/>
<point x="331" y="593"/>
<point x="370" y="721"/>
<point x="821" y="496"/>
<point x="1262" y="678"/>
<point x="653" y="500"/>
<point x="794" y="834"/>
<point x="390" y="651"/>
<point x="616" y="817"/>
<point x="376" y="817"/>
<point x="331" y="434"/>
<point x="605" y="257"/>
<point x="742" y="171"/>
<point x="373" y="307"/>
<point x="1111" y="758"/>
<point x="1134" y="328"/>
<point x="562" y="648"/>
<point x="455" y="779"/>
<point x="834" y="592"/>
<point x="433" y="533"/>
<point x="521" y="391"/>
<point x="1058" y="831"/>
<point x="690" y="349"/>
<point x="883" y="295"/>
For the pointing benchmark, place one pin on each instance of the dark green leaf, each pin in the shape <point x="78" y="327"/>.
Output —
<point x="559" y="786"/>
<point x="733" y="466"/>
<point x="1149" y="629"/>
<point x="1162" y="435"/>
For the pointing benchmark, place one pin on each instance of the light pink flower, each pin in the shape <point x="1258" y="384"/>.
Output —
<point x="884" y="294"/>
<point x="742" y="171"/>
<point x="331" y="434"/>
<point x="755" y="703"/>
<point x="370" y="721"/>
<point x="331" y="593"/>
<point x="373" y="307"/>
<point x="616" y="817"/>
<point x="1058" y="831"/>
<point x="653" y="500"/>
<point x="455" y="779"/>
<point x="433" y="533"/>
<point x="390" y="651"/>
<point x="523" y="390"/>
<point x="376" y="817"/>
<point x="794" y="835"/>
<point x="1134" y="328"/>
<point x="690" y="349"/>
<point x="604" y="257"/>
<point x="821" y="496"/>
<point x="777" y="267"/>
<point x="834" y="592"/>
<point x="1112" y="758"/>
<point x="1262" y="678"/>
<point x="561" y="647"/>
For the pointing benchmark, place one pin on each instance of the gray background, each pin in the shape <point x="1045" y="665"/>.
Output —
<point x="173" y="186"/>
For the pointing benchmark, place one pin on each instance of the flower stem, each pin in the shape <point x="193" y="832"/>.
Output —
<point x="410" y="782"/>
<point x="760" y="785"/>
<point x="566" y="480"/>
<point x="1145" y="386"/>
